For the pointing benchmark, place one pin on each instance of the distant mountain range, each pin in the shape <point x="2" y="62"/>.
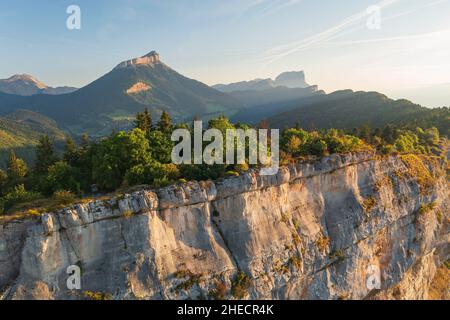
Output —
<point x="292" y="79"/>
<point x="26" y="85"/>
<point x="347" y="109"/>
<point x="288" y="86"/>
<point x="432" y="96"/>
<point x="113" y="100"/>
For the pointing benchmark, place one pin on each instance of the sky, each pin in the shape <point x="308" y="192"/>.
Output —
<point x="338" y="43"/>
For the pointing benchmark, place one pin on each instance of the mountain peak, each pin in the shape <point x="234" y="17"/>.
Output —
<point x="27" y="79"/>
<point x="149" y="59"/>
<point x="292" y="79"/>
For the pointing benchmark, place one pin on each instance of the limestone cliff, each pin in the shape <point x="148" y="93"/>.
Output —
<point x="310" y="232"/>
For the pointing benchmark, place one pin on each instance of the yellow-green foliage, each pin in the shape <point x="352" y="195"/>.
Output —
<point x="369" y="204"/>
<point x="425" y="208"/>
<point x="97" y="295"/>
<point x="191" y="280"/>
<point x="295" y="262"/>
<point x="284" y="218"/>
<point x="419" y="171"/>
<point x="322" y="243"/>
<point x="240" y="285"/>
<point x="439" y="216"/>
<point x="64" y="197"/>
<point x="296" y="238"/>
<point x="219" y="292"/>
<point x="383" y="182"/>
<point x="127" y="214"/>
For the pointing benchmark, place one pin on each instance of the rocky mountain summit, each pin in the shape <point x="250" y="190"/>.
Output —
<point x="313" y="231"/>
<point x="149" y="60"/>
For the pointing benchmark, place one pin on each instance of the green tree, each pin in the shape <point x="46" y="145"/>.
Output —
<point x="17" y="169"/>
<point x="165" y="122"/>
<point x="45" y="155"/>
<point x="161" y="146"/>
<point x="144" y="121"/>
<point x="114" y="156"/>
<point x="3" y="180"/>
<point x="62" y="176"/>
<point x="388" y="134"/>
<point x="71" y="153"/>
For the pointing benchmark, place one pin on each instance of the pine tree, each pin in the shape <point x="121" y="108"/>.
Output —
<point x="45" y="155"/>
<point x="3" y="180"/>
<point x="144" y="121"/>
<point x="17" y="169"/>
<point x="165" y="123"/>
<point x="71" y="152"/>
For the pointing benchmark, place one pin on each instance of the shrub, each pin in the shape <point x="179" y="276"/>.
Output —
<point x="419" y="171"/>
<point x="97" y="295"/>
<point x="240" y="285"/>
<point x="322" y="243"/>
<point x="295" y="262"/>
<point x="18" y="195"/>
<point x="64" y="197"/>
<point x="425" y="208"/>
<point x="369" y="204"/>
<point x="219" y="292"/>
<point x="191" y="280"/>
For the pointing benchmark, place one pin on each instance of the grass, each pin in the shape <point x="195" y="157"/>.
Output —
<point x="439" y="285"/>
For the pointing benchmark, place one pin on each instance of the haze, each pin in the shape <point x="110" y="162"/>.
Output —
<point x="228" y="41"/>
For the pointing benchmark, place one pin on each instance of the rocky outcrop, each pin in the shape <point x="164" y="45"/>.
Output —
<point x="149" y="59"/>
<point x="313" y="231"/>
<point x="138" y="87"/>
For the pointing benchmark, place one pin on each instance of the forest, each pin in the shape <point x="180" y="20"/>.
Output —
<point x="142" y="156"/>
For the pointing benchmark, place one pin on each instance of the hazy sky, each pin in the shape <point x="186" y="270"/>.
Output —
<point x="220" y="41"/>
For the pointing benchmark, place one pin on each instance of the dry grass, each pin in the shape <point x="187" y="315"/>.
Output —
<point x="323" y="243"/>
<point x="369" y="204"/>
<point x="419" y="171"/>
<point x="440" y="286"/>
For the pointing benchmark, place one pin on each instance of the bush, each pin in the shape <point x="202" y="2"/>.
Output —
<point x="17" y="195"/>
<point x="425" y="208"/>
<point x="153" y="173"/>
<point x="240" y="285"/>
<point x="64" y="197"/>
<point x="61" y="176"/>
<point x="219" y="292"/>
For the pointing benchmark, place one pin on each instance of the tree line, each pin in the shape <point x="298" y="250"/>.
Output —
<point x="143" y="156"/>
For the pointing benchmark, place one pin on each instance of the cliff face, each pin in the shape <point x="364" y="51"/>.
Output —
<point x="313" y="231"/>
